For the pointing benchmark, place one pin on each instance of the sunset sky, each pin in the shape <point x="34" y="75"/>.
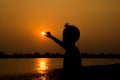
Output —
<point x="22" y="21"/>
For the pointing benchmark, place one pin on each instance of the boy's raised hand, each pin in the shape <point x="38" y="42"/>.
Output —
<point x="48" y="34"/>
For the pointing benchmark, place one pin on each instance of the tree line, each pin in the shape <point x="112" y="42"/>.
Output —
<point x="56" y="55"/>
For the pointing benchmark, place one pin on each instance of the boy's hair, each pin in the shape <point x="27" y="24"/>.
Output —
<point x="71" y="33"/>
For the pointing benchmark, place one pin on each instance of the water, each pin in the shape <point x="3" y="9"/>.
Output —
<point x="99" y="61"/>
<point x="29" y="65"/>
<point x="19" y="66"/>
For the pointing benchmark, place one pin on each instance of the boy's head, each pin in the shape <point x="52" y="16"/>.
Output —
<point x="70" y="34"/>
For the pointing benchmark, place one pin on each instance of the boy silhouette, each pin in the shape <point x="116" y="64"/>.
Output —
<point x="72" y="58"/>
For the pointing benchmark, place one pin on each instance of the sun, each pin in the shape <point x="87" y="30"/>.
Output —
<point x="43" y="33"/>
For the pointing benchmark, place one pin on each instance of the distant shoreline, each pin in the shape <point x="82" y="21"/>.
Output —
<point x="63" y="57"/>
<point x="57" y="55"/>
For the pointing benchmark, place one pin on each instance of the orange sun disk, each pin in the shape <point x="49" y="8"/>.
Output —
<point x="43" y="33"/>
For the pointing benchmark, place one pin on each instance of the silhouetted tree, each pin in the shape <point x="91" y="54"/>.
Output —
<point x="37" y="54"/>
<point x="47" y="54"/>
<point x="2" y="54"/>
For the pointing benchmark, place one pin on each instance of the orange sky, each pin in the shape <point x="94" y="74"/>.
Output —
<point x="21" y="22"/>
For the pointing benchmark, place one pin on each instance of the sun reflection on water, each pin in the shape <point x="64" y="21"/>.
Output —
<point x="42" y="65"/>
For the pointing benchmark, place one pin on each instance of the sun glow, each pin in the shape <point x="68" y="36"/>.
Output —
<point x="43" y="33"/>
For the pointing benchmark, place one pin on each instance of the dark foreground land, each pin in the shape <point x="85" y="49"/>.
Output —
<point x="99" y="72"/>
<point x="102" y="72"/>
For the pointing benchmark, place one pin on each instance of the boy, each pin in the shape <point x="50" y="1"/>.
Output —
<point x="72" y="59"/>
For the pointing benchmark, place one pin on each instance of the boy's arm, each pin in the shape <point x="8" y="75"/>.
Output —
<point x="48" y="34"/>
